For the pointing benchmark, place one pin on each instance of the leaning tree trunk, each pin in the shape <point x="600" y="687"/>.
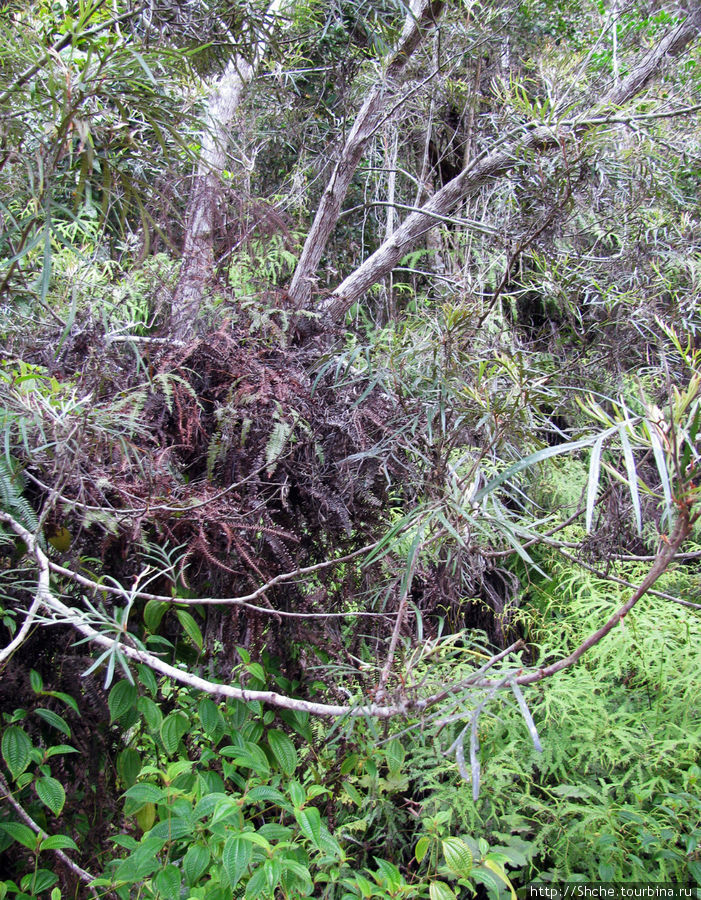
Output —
<point x="205" y="195"/>
<point x="499" y="161"/>
<point x="421" y="16"/>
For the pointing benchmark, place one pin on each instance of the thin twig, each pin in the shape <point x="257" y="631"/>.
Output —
<point x="84" y="876"/>
<point x="667" y="552"/>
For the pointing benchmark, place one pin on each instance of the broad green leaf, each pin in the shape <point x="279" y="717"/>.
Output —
<point x="284" y="751"/>
<point x="58" y="842"/>
<point x="148" y="679"/>
<point x="295" y="877"/>
<point x="122" y="697"/>
<point x="56" y="721"/>
<point x="316" y="790"/>
<point x="129" y="766"/>
<point x="273" y="831"/>
<point x="145" y="793"/>
<point x="394" y="754"/>
<point x="390" y="874"/>
<point x="258" y="886"/>
<point x="151" y="713"/>
<point x="458" y="856"/>
<point x="208" y="712"/>
<point x="257" y="671"/>
<point x="190" y="627"/>
<point x="422" y="846"/>
<point x="51" y="793"/>
<point x="236" y="856"/>
<point x="177" y="768"/>
<point x="195" y="862"/>
<point x="39" y="881"/>
<point x="16" y="749"/>
<point x="172" y="729"/>
<point x="65" y="698"/>
<point x="501" y="874"/>
<point x="354" y="794"/>
<point x="167" y="883"/>
<point x="309" y="820"/>
<point x="36" y="681"/>
<point x="439" y="890"/>
<point x="297" y="793"/>
<point x="21" y="833"/>
<point x="153" y="613"/>
<point x="349" y="763"/>
<point x="171" y="829"/>
<point x="263" y="793"/>
<point x="364" y="885"/>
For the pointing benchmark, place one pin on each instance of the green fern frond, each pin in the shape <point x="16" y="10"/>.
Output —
<point x="276" y="445"/>
<point x="11" y="499"/>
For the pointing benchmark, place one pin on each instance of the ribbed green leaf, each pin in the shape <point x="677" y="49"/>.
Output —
<point x="309" y="820"/>
<point x="422" y="846"/>
<point x="195" y="862"/>
<point x="56" y="721"/>
<point x="16" y="749"/>
<point x="153" y="613"/>
<point x="167" y="883"/>
<point x="129" y="766"/>
<point x="458" y="856"/>
<point x="21" y="833"/>
<point x="51" y="793"/>
<point x="172" y="729"/>
<point x="151" y="712"/>
<point x="190" y="627"/>
<point x="121" y="699"/>
<point x="58" y="842"/>
<point x="394" y="754"/>
<point x="144" y="793"/>
<point x="208" y="712"/>
<point x="236" y="856"/>
<point x="38" y="882"/>
<point x="439" y="890"/>
<point x="284" y="751"/>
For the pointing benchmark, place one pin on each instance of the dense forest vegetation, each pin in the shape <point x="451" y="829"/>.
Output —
<point x="350" y="397"/>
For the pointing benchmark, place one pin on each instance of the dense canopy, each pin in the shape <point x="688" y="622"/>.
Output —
<point x="350" y="391"/>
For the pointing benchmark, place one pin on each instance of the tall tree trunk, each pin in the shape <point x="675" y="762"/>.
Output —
<point x="496" y="163"/>
<point x="205" y="195"/>
<point x="422" y="16"/>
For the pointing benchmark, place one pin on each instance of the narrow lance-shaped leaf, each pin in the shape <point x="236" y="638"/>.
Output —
<point x="593" y="481"/>
<point x="632" y="478"/>
<point x="537" y="457"/>
<point x="474" y="754"/>
<point x="526" y="713"/>
<point x="661" y="463"/>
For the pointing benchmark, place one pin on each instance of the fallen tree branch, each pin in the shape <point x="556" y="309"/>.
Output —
<point x="65" y="614"/>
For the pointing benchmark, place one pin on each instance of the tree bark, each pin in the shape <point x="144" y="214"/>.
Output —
<point x="422" y="15"/>
<point x="498" y="162"/>
<point x="205" y="195"/>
